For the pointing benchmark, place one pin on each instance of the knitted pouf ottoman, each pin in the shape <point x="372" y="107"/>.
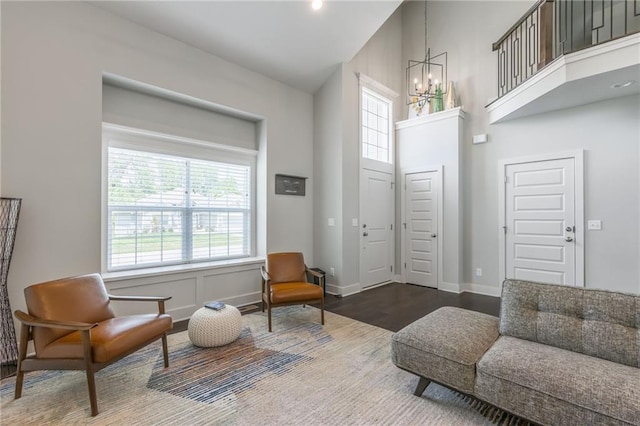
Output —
<point x="209" y="328"/>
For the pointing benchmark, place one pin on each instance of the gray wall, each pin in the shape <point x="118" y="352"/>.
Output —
<point x="53" y="59"/>
<point x="337" y="172"/>
<point x="608" y="131"/>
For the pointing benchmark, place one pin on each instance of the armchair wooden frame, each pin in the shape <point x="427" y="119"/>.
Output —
<point x="32" y="363"/>
<point x="266" y="292"/>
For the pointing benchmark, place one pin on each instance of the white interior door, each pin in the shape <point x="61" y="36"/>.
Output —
<point x="421" y="219"/>
<point x="376" y="195"/>
<point x="540" y="220"/>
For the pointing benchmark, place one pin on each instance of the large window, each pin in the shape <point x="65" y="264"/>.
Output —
<point x="376" y="126"/>
<point x="166" y="209"/>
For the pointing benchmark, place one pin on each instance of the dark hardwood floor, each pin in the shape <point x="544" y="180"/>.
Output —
<point x="395" y="305"/>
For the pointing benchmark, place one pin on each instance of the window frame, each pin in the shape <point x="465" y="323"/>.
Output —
<point x="153" y="142"/>
<point x="378" y="90"/>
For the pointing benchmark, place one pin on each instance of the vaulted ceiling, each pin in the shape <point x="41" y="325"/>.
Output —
<point x="284" y="40"/>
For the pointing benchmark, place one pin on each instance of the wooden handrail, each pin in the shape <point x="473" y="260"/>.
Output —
<point x="524" y="17"/>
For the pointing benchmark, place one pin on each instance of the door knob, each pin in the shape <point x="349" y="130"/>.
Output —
<point x="433" y="235"/>
<point x="365" y="234"/>
<point x="568" y="239"/>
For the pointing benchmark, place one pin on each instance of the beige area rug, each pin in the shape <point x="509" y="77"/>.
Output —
<point x="302" y="373"/>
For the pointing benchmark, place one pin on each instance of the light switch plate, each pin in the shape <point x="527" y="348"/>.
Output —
<point x="331" y="222"/>
<point x="354" y="221"/>
<point x="594" y="225"/>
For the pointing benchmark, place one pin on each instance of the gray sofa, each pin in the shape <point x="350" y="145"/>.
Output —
<point x="557" y="355"/>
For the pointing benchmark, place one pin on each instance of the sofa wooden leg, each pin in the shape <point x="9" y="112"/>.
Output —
<point x="422" y="385"/>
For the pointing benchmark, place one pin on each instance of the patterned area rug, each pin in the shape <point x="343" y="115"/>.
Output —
<point x="302" y="373"/>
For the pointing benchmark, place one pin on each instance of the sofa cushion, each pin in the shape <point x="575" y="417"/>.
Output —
<point x="542" y="382"/>
<point x="445" y="345"/>
<point x="594" y="322"/>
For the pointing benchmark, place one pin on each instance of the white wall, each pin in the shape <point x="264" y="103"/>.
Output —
<point x="608" y="131"/>
<point x="327" y="167"/>
<point x="436" y="141"/>
<point x="53" y="58"/>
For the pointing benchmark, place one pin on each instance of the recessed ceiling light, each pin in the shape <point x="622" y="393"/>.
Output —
<point x="622" y="84"/>
<point x="316" y="4"/>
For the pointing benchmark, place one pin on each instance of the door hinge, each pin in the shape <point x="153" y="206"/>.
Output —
<point x="392" y="226"/>
<point x="405" y="225"/>
<point x="405" y="265"/>
<point x="506" y="178"/>
<point x="504" y="228"/>
<point x="391" y="268"/>
<point x="391" y="185"/>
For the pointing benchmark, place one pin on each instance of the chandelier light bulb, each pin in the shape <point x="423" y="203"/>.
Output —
<point x="316" y="4"/>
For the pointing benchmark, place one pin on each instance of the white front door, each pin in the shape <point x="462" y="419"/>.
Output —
<point x="540" y="220"/>
<point x="421" y="219"/>
<point x="376" y="230"/>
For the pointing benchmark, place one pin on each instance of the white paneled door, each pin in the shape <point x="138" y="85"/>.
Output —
<point x="376" y="228"/>
<point x="540" y="221"/>
<point x="421" y="219"/>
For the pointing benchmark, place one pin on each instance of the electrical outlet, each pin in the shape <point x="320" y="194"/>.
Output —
<point x="332" y="272"/>
<point x="594" y="225"/>
<point x="478" y="272"/>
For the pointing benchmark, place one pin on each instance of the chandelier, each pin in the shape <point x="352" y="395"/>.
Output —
<point x="426" y="79"/>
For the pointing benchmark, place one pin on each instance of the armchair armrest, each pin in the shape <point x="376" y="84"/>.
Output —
<point x="38" y="322"/>
<point x="265" y="274"/>
<point x="314" y="273"/>
<point x="321" y="278"/>
<point x="139" y="298"/>
<point x="159" y="299"/>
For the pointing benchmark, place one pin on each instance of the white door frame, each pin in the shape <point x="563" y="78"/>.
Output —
<point x="392" y="238"/>
<point x="403" y="214"/>
<point x="578" y="157"/>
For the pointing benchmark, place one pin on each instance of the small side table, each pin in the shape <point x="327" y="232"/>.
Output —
<point x="209" y="328"/>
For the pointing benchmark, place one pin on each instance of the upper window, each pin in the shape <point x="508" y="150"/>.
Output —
<point x="167" y="209"/>
<point x="376" y="126"/>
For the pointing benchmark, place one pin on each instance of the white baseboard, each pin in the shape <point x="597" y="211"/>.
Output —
<point x="399" y="279"/>
<point x="371" y="287"/>
<point x="450" y="287"/>
<point x="486" y="290"/>
<point x="347" y="290"/>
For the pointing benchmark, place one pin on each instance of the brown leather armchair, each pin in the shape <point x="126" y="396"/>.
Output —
<point x="73" y="327"/>
<point x="284" y="282"/>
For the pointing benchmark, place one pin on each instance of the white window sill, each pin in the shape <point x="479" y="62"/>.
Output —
<point x="176" y="269"/>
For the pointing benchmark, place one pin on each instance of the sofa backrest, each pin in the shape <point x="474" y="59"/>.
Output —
<point x="599" y="323"/>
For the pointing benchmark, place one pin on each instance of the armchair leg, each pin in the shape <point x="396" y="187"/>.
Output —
<point x="322" y="310"/>
<point x="165" y="350"/>
<point x="269" y="315"/>
<point x="93" y="400"/>
<point x="91" y="381"/>
<point x="22" y="354"/>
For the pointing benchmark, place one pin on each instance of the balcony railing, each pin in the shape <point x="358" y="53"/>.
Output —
<point x="552" y="28"/>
